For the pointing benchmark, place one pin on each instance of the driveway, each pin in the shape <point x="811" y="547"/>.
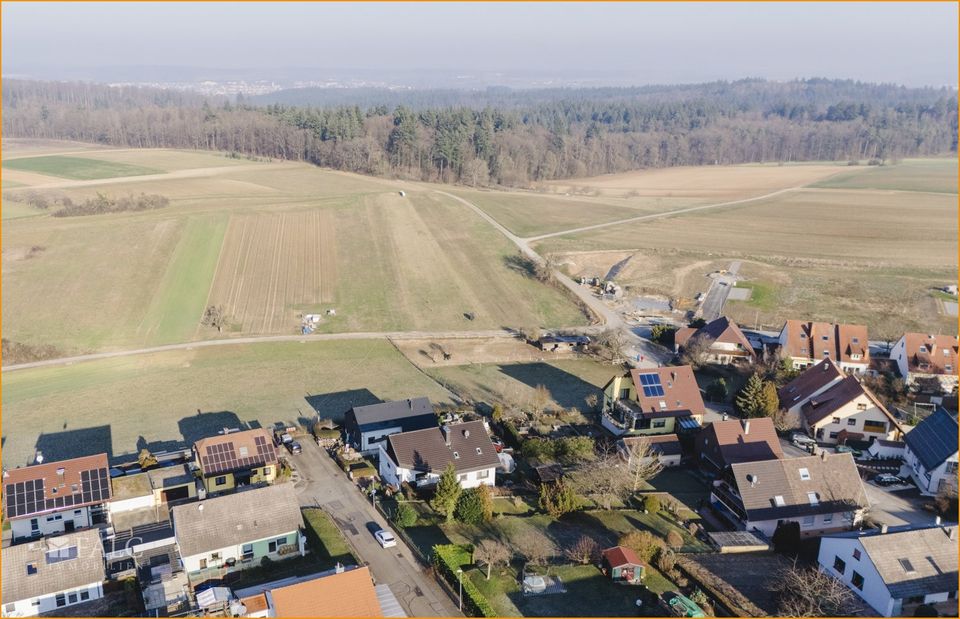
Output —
<point x="897" y="507"/>
<point x="323" y="484"/>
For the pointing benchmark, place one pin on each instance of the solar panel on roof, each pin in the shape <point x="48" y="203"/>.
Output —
<point x="651" y="385"/>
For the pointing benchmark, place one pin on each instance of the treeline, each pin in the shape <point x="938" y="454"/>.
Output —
<point x="101" y="204"/>
<point x="531" y="136"/>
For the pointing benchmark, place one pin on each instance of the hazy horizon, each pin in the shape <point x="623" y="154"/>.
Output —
<point x="913" y="44"/>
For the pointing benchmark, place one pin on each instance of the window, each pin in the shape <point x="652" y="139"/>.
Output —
<point x="74" y="488"/>
<point x="861" y="406"/>
<point x="624" y="394"/>
<point x="220" y="481"/>
<point x="77" y="512"/>
<point x="808" y="521"/>
<point x="828" y="518"/>
<point x="84" y="595"/>
<point x="923" y="349"/>
<point x="483" y="474"/>
<point x="247" y="551"/>
<point x="874" y="426"/>
<point x="778" y="501"/>
<point x="948" y="367"/>
<point x="855" y="340"/>
<point x="812" y="497"/>
<point x="31" y="569"/>
<point x="660" y="423"/>
<point x="203" y="564"/>
<point x="839" y="565"/>
<point x="835" y="420"/>
<point x="803" y="336"/>
<point x="856" y="579"/>
<point x="72" y="597"/>
<point x="833" y="434"/>
<point x="906" y="565"/>
<point x="277" y="543"/>
<point x="804" y="474"/>
<point x="267" y="471"/>
<point x="244" y="452"/>
<point x="214" y="556"/>
<point x="825" y="338"/>
<point x="61" y="600"/>
<point x="479" y="453"/>
<point x="826" y="353"/>
<point x="851" y="422"/>
<point x="456" y="455"/>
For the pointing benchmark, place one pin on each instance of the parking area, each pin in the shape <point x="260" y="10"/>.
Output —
<point x="897" y="505"/>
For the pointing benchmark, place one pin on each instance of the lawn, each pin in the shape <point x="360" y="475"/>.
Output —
<point x="936" y="175"/>
<point x="119" y="405"/>
<point x="326" y="542"/>
<point x="77" y="168"/>
<point x="762" y="295"/>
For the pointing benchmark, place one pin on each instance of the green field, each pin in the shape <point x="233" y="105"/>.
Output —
<point x="77" y="168"/>
<point x="119" y="405"/>
<point x="936" y="175"/>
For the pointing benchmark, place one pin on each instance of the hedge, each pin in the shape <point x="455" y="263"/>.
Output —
<point x="512" y="437"/>
<point x="447" y="558"/>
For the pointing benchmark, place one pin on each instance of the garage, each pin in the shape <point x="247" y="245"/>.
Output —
<point x="175" y="494"/>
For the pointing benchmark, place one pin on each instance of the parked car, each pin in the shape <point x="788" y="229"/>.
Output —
<point x="801" y="440"/>
<point x="497" y="443"/>
<point x="385" y="538"/>
<point x="846" y="449"/>
<point x="294" y="447"/>
<point x="886" y="479"/>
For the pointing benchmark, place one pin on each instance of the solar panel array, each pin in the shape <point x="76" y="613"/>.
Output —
<point x="29" y="497"/>
<point x="222" y="457"/>
<point x="651" y="385"/>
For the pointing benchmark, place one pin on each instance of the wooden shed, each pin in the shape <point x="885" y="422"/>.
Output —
<point x="623" y="565"/>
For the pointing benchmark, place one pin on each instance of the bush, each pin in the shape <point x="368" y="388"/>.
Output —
<point x="558" y="499"/>
<point x="663" y="335"/>
<point x="474" y="506"/>
<point x="674" y="540"/>
<point x="666" y="560"/>
<point x="511" y="435"/>
<point x="644" y="543"/>
<point x="405" y="516"/>
<point x="651" y="503"/>
<point x="679" y="579"/>
<point x="447" y="558"/>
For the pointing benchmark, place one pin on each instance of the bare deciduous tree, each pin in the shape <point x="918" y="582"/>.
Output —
<point x="584" y="551"/>
<point x="609" y="346"/>
<point x="611" y="477"/>
<point x="215" y="317"/>
<point x="695" y="352"/>
<point x="534" y="546"/>
<point x="540" y="399"/>
<point x="491" y="552"/>
<point x="808" y="592"/>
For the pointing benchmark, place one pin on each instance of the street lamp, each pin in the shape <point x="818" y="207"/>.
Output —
<point x="460" y="581"/>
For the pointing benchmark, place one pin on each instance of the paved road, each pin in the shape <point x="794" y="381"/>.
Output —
<point x="324" y="484"/>
<point x="718" y="292"/>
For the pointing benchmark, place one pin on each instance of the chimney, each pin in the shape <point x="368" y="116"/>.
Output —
<point x="883" y="529"/>
<point x="937" y="521"/>
<point x="446" y="434"/>
<point x="466" y="434"/>
<point x="39" y="457"/>
<point x="200" y="507"/>
<point x="746" y="426"/>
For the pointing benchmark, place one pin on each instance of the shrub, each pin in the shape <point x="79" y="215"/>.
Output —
<point x="666" y="560"/>
<point x="474" y="506"/>
<point x="693" y="528"/>
<point x="674" y="540"/>
<point x="679" y="579"/>
<point x="662" y="334"/>
<point x="644" y="543"/>
<point x="511" y="435"/>
<point x="584" y="551"/>
<point x="447" y="558"/>
<point x="651" y="503"/>
<point x="558" y="499"/>
<point x="405" y="516"/>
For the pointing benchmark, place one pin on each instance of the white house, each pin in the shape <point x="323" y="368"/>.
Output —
<point x="236" y="531"/>
<point x="930" y="457"/>
<point x="56" y="497"/>
<point x="419" y="457"/>
<point x="848" y="410"/>
<point x="822" y="493"/>
<point x="888" y="450"/>
<point x="723" y="342"/>
<point x="367" y="427"/>
<point x="810" y="383"/>
<point x="807" y="343"/>
<point x="927" y="360"/>
<point x="52" y="573"/>
<point x="895" y="570"/>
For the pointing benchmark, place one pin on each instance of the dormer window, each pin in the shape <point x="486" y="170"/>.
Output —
<point x="906" y="565"/>
<point x="923" y="349"/>
<point x="31" y="569"/>
<point x="804" y="474"/>
<point x="778" y="501"/>
<point x="855" y="340"/>
<point x="826" y="353"/>
<point x="663" y="405"/>
<point x="825" y="338"/>
<point x="803" y="336"/>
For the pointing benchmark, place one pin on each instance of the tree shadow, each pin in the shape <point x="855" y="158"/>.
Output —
<point x="566" y="389"/>
<point x="202" y="425"/>
<point x="334" y="405"/>
<point x="76" y="443"/>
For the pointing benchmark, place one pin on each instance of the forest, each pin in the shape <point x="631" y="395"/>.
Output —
<point x="503" y="136"/>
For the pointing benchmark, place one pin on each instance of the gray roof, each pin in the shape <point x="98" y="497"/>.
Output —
<point x="732" y="539"/>
<point x="833" y="477"/>
<point x="236" y="518"/>
<point x="934" y="439"/>
<point x="466" y="445"/>
<point x="170" y="476"/>
<point x="930" y="553"/>
<point x="809" y="382"/>
<point x="390" y="411"/>
<point x="81" y="563"/>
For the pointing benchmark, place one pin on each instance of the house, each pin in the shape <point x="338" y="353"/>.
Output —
<point x="723" y="443"/>
<point x="666" y="447"/>
<point x="806" y="343"/>
<point x="930" y="456"/>
<point x="848" y="410"/>
<point x="723" y="342"/>
<point x="623" y="565"/>
<point x="234" y="459"/>
<point x="562" y="343"/>
<point x="344" y="593"/>
<point x="928" y="361"/>
<point x="810" y="383"/>
<point x="56" y="497"/>
<point x="653" y="401"/>
<point x="235" y="531"/>
<point x="822" y="493"/>
<point x="366" y="427"/>
<point x="882" y="449"/>
<point x="894" y="570"/>
<point x="52" y="573"/>
<point x="419" y="457"/>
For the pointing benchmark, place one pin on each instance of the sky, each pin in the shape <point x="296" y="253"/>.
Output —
<point x="910" y="43"/>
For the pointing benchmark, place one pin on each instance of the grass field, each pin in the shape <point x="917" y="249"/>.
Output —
<point x="119" y="405"/>
<point x="77" y="168"/>
<point x="936" y="175"/>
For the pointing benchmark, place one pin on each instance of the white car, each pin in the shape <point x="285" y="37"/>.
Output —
<point x="801" y="440"/>
<point x="385" y="538"/>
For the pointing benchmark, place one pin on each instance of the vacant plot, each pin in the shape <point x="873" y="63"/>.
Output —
<point x="270" y="265"/>
<point x="439" y="352"/>
<point x="866" y="228"/>
<point x="76" y="168"/>
<point x="936" y="175"/>
<point x="120" y="405"/>
<point x="714" y="182"/>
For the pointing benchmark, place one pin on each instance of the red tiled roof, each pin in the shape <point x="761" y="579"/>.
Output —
<point x="53" y="486"/>
<point x="721" y="330"/>
<point x="809" y="382"/>
<point x="938" y="352"/>
<point x="738" y="444"/>
<point x="680" y="391"/>
<point x="621" y="555"/>
<point x="809" y="340"/>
